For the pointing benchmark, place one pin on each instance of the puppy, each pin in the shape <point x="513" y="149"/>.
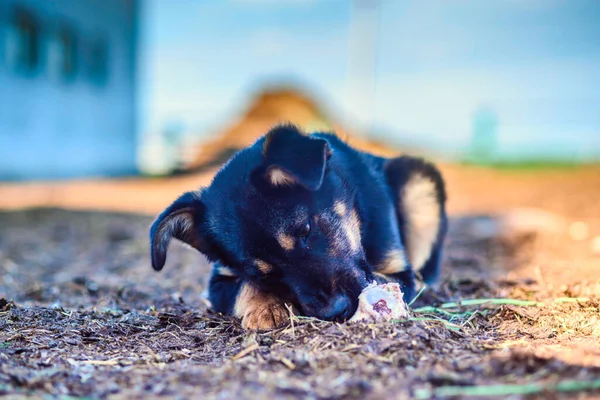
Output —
<point x="309" y="221"/>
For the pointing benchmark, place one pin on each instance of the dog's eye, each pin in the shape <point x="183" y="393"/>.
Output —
<point x="305" y="231"/>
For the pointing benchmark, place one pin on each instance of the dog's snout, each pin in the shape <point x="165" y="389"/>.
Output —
<point x="339" y="309"/>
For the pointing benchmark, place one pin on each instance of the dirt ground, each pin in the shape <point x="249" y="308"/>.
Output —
<point x="82" y="314"/>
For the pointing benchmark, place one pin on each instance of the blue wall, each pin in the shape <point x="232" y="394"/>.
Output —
<point x="52" y="128"/>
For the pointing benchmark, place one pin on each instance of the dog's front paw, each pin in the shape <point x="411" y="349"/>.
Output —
<point x="258" y="309"/>
<point x="265" y="316"/>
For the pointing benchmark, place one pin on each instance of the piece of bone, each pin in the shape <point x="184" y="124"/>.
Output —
<point x="380" y="303"/>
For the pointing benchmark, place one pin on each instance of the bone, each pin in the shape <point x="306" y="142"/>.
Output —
<point x="380" y="303"/>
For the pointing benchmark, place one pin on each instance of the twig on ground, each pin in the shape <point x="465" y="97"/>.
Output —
<point x="245" y="352"/>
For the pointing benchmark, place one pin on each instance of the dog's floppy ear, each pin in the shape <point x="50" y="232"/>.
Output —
<point x="182" y="220"/>
<point x="292" y="157"/>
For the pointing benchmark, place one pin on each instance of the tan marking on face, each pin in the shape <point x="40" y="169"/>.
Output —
<point x="263" y="266"/>
<point x="394" y="262"/>
<point x="286" y="241"/>
<point x="340" y="208"/>
<point x="422" y="214"/>
<point x="259" y="310"/>
<point x="351" y="226"/>
<point x="342" y="231"/>
<point x="278" y="177"/>
<point x="225" y="271"/>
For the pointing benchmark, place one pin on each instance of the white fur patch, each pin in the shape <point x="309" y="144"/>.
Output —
<point x="278" y="177"/>
<point x="422" y="215"/>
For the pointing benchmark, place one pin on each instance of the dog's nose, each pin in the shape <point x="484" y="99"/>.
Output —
<point x="339" y="309"/>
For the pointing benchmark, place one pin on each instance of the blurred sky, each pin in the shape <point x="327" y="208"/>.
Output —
<point x="534" y="63"/>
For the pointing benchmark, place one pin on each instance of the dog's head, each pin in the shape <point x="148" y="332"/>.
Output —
<point x="280" y="215"/>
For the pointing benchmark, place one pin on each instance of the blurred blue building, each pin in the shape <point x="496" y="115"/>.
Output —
<point x="67" y="88"/>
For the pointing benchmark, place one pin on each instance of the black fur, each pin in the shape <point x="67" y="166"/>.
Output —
<point x="255" y="224"/>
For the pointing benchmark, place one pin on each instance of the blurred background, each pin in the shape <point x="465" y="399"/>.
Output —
<point x="130" y="87"/>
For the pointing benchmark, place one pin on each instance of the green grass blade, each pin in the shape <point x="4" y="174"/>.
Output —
<point x="507" y="390"/>
<point x="497" y="301"/>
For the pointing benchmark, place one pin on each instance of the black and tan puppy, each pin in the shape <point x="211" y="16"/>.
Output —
<point x="308" y="221"/>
